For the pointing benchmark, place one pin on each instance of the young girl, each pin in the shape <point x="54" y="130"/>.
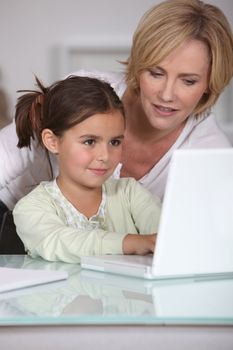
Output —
<point x="80" y="121"/>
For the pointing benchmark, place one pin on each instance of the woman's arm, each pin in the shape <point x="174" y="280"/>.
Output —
<point x="21" y="169"/>
<point x="13" y="161"/>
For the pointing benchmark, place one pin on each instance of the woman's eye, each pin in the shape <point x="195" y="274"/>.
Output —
<point x="189" y="82"/>
<point x="156" y="74"/>
<point x="115" y="143"/>
<point x="89" y="142"/>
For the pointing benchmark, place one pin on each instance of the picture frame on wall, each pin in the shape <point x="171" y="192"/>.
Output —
<point x="103" y="53"/>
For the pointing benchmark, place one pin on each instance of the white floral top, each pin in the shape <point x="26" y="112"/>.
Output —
<point x="74" y="217"/>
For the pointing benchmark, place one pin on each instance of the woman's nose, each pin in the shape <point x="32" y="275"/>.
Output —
<point x="167" y="91"/>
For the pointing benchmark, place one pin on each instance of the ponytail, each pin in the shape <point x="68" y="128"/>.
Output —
<point x="29" y="115"/>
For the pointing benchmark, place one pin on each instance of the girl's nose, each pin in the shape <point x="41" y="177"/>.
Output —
<point x="103" y="153"/>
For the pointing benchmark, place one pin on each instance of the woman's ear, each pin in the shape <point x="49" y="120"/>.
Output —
<point x="50" y="141"/>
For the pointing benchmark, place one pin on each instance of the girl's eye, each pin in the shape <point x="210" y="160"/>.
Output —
<point x="115" y="143"/>
<point x="89" y="142"/>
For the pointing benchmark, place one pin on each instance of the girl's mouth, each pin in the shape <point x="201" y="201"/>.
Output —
<point x="98" y="172"/>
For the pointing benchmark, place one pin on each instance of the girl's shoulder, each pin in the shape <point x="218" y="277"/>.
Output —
<point x="121" y="183"/>
<point x="125" y="186"/>
<point x="38" y="195"/>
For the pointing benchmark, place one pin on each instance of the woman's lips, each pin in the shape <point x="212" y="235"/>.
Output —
<point x="166" y="111"/>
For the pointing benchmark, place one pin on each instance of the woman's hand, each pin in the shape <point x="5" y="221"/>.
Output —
<point x="139" y="244"/>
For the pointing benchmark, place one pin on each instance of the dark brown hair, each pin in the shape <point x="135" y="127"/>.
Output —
<point x="61" y="106"/>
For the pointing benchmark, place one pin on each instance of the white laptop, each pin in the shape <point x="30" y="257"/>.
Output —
<point x="195" y="235"/>
<point x="12" y="278"/>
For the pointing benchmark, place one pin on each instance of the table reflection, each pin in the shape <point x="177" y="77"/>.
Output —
<point x="96" y="294"/>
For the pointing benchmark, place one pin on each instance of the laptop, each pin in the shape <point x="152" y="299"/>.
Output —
<point x="195" y="234"/>
<point x="14" y="279"/>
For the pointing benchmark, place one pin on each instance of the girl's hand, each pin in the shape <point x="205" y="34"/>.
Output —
<point x="139" y="244"/>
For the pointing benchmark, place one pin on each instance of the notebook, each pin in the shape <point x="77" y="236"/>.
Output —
<point x="195" y="234"/>
<point x="12" y="279"/>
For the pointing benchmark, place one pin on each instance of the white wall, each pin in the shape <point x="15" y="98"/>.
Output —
<point x="30" y="29"/>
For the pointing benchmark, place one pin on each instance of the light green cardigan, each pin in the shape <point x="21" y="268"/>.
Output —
<point x="41" y="223"/>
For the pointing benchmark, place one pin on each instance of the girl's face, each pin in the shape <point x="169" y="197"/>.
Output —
<point x="170" y="91"/>
<point x="89" y="152"/>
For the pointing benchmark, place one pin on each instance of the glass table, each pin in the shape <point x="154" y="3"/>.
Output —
<point x="98" y="308"/>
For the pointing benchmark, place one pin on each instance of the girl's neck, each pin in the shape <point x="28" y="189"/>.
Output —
<point x="85" y="200"/>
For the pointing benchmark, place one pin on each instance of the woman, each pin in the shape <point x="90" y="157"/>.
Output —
<point x="180" y="62"/>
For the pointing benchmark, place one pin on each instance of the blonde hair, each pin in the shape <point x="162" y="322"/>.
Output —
<point x="169" y="24"/>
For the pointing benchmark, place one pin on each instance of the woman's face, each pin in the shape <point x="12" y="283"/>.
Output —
<point x="170" y="91"/>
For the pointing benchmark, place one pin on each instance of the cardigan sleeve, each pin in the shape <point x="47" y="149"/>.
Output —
<point x="43" y="230"/>
<point x="145" y="208"/>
